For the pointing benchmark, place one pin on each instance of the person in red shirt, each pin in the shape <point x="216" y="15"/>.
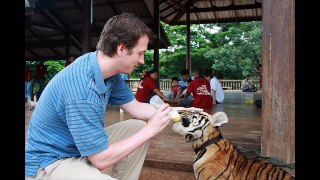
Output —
<point x="149" y="87"/>
<point x="41" y="71"/>
<point x="176" y="90"/>
<point x="28" y="79"/>
<point x="200" y="88"/>
<point x="259" y="70"/>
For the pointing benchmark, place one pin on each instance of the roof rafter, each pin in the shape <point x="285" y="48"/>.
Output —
<point x="231" y="7"/>
<point x="40" y="39"/>
<point x="180" y="14"/>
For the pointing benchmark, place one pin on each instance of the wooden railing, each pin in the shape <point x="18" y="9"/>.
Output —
<point x="165" y="84"/>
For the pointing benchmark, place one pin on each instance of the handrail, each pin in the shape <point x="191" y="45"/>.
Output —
<point x="165" y="84"/>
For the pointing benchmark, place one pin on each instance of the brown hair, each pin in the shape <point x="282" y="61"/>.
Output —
<point x="124" y="28"/>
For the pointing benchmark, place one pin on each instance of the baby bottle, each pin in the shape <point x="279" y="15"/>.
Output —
<point x="156" y="101"/>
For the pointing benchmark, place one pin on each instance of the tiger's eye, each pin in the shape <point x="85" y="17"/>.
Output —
<point x="185" y="122"/>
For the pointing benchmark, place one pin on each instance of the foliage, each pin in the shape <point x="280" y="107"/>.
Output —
<point x="238" y="51"/>
<point x="231" y="50"/>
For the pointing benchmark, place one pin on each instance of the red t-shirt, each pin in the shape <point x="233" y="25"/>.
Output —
<point x="145" y="89"/>
<point x="27" y="74"/>
<point x="175" y="90"/>
<point x="41" y="70"/>
<point x="200" y="88"/>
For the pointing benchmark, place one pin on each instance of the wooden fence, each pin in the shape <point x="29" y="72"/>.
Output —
<point x="165" y="84"/>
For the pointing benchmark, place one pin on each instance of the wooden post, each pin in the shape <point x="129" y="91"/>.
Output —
<point x="278" y="70"/>
<point x="188" y="58"/>
<point x="86" y="42"/>
<point x="156" y="23"/>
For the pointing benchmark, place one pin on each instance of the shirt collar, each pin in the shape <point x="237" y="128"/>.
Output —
<point x="97" y="73"/>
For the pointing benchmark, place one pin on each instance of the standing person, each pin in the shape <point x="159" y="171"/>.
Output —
<point x="41" y="71"/>
<point x="67" y="138"/>
<point x="149" y="87"/>
<point x="69" y="61"/>
<point x="28" y="83"/>
<point x="216" y="88"/>
<point x="200" y="88"/>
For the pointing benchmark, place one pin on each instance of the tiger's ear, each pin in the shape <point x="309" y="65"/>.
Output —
<point x="219" y="118"/>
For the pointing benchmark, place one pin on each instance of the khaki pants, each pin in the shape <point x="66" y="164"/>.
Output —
<point x="128" y="168"/>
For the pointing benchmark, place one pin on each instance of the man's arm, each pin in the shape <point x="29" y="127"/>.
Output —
<point x="123" y="148"/>
<point x="213" y="96"/>
<point x="134" y="108"/>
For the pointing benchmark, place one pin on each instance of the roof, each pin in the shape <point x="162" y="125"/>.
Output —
<point x="52" y="24"/>
<point x="173" y="12"/>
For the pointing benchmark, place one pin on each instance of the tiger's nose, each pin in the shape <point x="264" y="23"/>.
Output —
<point x="185" y="122"/>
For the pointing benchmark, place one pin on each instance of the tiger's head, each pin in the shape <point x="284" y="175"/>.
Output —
<point x="196" y="125"/>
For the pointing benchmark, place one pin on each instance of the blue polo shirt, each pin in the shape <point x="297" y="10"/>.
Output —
<point x="69" y="118"/>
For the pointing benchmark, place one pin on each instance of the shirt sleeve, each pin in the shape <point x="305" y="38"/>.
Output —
<point x="120" y="92"/>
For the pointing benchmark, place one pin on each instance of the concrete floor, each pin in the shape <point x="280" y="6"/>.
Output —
<point x="168" y="150"/>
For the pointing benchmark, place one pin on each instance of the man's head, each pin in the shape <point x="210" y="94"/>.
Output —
<point x="125" y="38"/>
<point x="184" y="74"/>
<point x="208" y="74"/>
<point x="124" y="29"/>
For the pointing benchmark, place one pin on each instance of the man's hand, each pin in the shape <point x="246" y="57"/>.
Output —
<point x="159" y="119"/>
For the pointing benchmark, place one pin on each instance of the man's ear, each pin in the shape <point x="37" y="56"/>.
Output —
<point x="120" y="49"/>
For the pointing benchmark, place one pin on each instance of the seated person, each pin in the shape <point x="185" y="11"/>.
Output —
<point x="184" y="81"/>
<point x="247" y="85"/>
<point x="176" y="90"/>
<point x="200" y="88"/>
<point x="216" y="89"/>
<point x="149" y="87"/>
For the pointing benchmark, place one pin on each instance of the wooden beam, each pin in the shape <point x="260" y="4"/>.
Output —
<point x="156" y="25"/>
<point x="46" y="43"/>
<point x="78" y="5"/>
<point x="41" y="40"/>
<point x="231" y="7"/>
<point x="278" y="89"/>
<point x="33" y="53"/>
<point x="178" y="4"/>
<point x="164" y="17"/>
<point x="180" y="14"/>
<point x="224" y="20"/>
<point x="112" y="7"/>
<point x="58" y="21"/>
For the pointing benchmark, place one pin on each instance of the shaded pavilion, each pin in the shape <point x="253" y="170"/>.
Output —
<point x="56" y="29"/>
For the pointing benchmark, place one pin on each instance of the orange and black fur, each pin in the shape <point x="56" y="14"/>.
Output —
<point x="217" y="157"/>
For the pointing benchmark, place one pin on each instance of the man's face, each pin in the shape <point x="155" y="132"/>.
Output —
<point x="132" y="58"/>
<point x="184" y="77"/>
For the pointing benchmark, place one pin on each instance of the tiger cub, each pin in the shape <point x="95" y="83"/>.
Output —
<point x="217" y="157"/>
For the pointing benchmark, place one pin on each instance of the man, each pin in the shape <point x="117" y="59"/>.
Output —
<point x="216" y="89"/>
<point x="184" y="80"/>
<point x="66" y="136"/>
<point x="247" y="85"/>
<point x="200" y="88"/>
